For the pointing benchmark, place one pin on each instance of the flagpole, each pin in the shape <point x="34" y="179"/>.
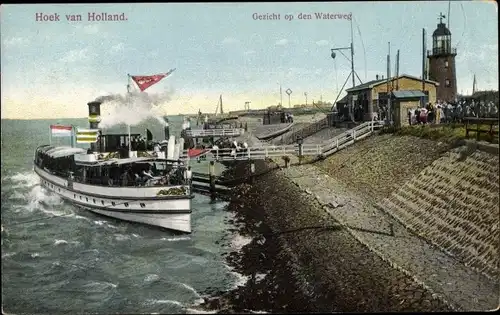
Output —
<point x="128" y="125"/>
<point x="72" y="136"/>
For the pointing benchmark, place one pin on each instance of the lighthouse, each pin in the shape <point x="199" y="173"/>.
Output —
<point x="442" y="63"/>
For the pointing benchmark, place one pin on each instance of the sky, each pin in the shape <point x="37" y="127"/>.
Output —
<point x="51" y="69"/>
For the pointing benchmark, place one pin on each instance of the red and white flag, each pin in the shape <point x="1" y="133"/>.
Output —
<point x="61" y="131"/>
<point x="196" y="152"/>
<point x="145" y="81"/>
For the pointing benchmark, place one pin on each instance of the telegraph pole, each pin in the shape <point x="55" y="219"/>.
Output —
<point x="352" y="74"/>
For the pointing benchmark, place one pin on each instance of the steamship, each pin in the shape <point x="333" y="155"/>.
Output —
<point x="120" y="175"/>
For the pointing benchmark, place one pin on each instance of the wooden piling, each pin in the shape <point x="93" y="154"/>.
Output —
<point x="211" y="170"/>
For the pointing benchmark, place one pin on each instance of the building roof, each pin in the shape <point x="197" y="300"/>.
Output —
<point x="441" y="30"/>
<point x="373" y="83"/>
<point x="408" y="94"/>
<point x="343" y="100"/>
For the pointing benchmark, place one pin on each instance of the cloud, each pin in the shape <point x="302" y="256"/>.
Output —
<point x="282" y="42"/>
<point x="76" y="55"/>
<point x="16" y="41"/>
<point x="322" y="42"/>
<point x="229" y="40"/>
<point x="117" y="48"/>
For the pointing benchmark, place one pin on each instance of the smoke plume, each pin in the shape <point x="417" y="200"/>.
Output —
<point x="132" y="108"/>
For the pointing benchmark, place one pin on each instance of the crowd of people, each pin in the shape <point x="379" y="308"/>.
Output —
<point x="448" y="112"/>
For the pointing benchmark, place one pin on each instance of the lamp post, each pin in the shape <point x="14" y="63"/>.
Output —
<point x="351" y="74"/>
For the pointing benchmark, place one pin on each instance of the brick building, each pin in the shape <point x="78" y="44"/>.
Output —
<point x="371" y="97"/>
<point x="442" y="63"/>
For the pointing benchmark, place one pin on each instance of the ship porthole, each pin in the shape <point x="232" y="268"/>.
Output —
<point x="126" y="204"/>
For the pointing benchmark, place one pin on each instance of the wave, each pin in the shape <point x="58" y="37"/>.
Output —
<point x="154" y="301"/>
<point x="150" y="278"/>
<point x="99" y="285"/>
<point x="25" y="179"/>
<point x="240" y="280"/>
<point x="176" y="239"/>
<point x="37" y="198"/>
<point x="197" y="311"/>
<point x="199" y="299"/>
<point x="6" y="255"/>
<point x="122" y="237"/>
<point x="105" y="223"/>
<point x="61" y="242"/>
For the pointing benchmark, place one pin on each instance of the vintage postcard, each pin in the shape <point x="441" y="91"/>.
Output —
<point x="293" y="157"/>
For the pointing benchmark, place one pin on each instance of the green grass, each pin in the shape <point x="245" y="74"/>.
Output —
<point x="445" y="133"/>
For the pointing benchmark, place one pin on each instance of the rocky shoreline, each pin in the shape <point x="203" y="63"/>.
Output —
<point x="302" y="260"/>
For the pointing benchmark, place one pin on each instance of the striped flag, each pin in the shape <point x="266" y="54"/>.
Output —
<point x="61" y="131"/>
<point x="86" y="135"/>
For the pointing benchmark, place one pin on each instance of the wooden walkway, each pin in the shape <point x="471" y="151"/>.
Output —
<point x="272" y="151"/>
<point x="219" y="132"/>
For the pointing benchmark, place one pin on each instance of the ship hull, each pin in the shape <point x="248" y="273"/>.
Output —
<point x="133" y="204"/>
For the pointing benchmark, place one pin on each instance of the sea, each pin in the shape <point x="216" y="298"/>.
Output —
<point x="57" y="258"/>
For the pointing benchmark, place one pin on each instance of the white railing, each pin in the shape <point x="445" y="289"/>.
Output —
<point x="215" y="132"/>
<point x="268" y="151"/>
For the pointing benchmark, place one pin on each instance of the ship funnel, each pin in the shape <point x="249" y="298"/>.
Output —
<point x="166" y="128"/>
<point x="94" y="119"/>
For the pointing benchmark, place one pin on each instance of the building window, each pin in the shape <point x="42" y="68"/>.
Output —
<point x="447" y="83"/>
<point x="446" y="64"/>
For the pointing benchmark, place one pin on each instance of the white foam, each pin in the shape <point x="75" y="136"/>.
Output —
<point x="121" y="237"/>
<point x="26" y="179"/>
<point x="240" y="241"/>
<point x="175" y="239"/>
<point x="153" y="301"/>
<point x="61" y="242"/>
<point x="105" y="223"/>
<point x="240" y="280"/>
<point x="260" y="276"/>
<point x="195" y="311"/>
<point x="100" y="285"/>
<point x="151" y="278"/>
<point x="5" y="255"/>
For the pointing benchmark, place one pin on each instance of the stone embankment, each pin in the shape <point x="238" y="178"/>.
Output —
<point x="453" y="203"/>
<point x="306" y="259"/>
<point x="389" y="224"/>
